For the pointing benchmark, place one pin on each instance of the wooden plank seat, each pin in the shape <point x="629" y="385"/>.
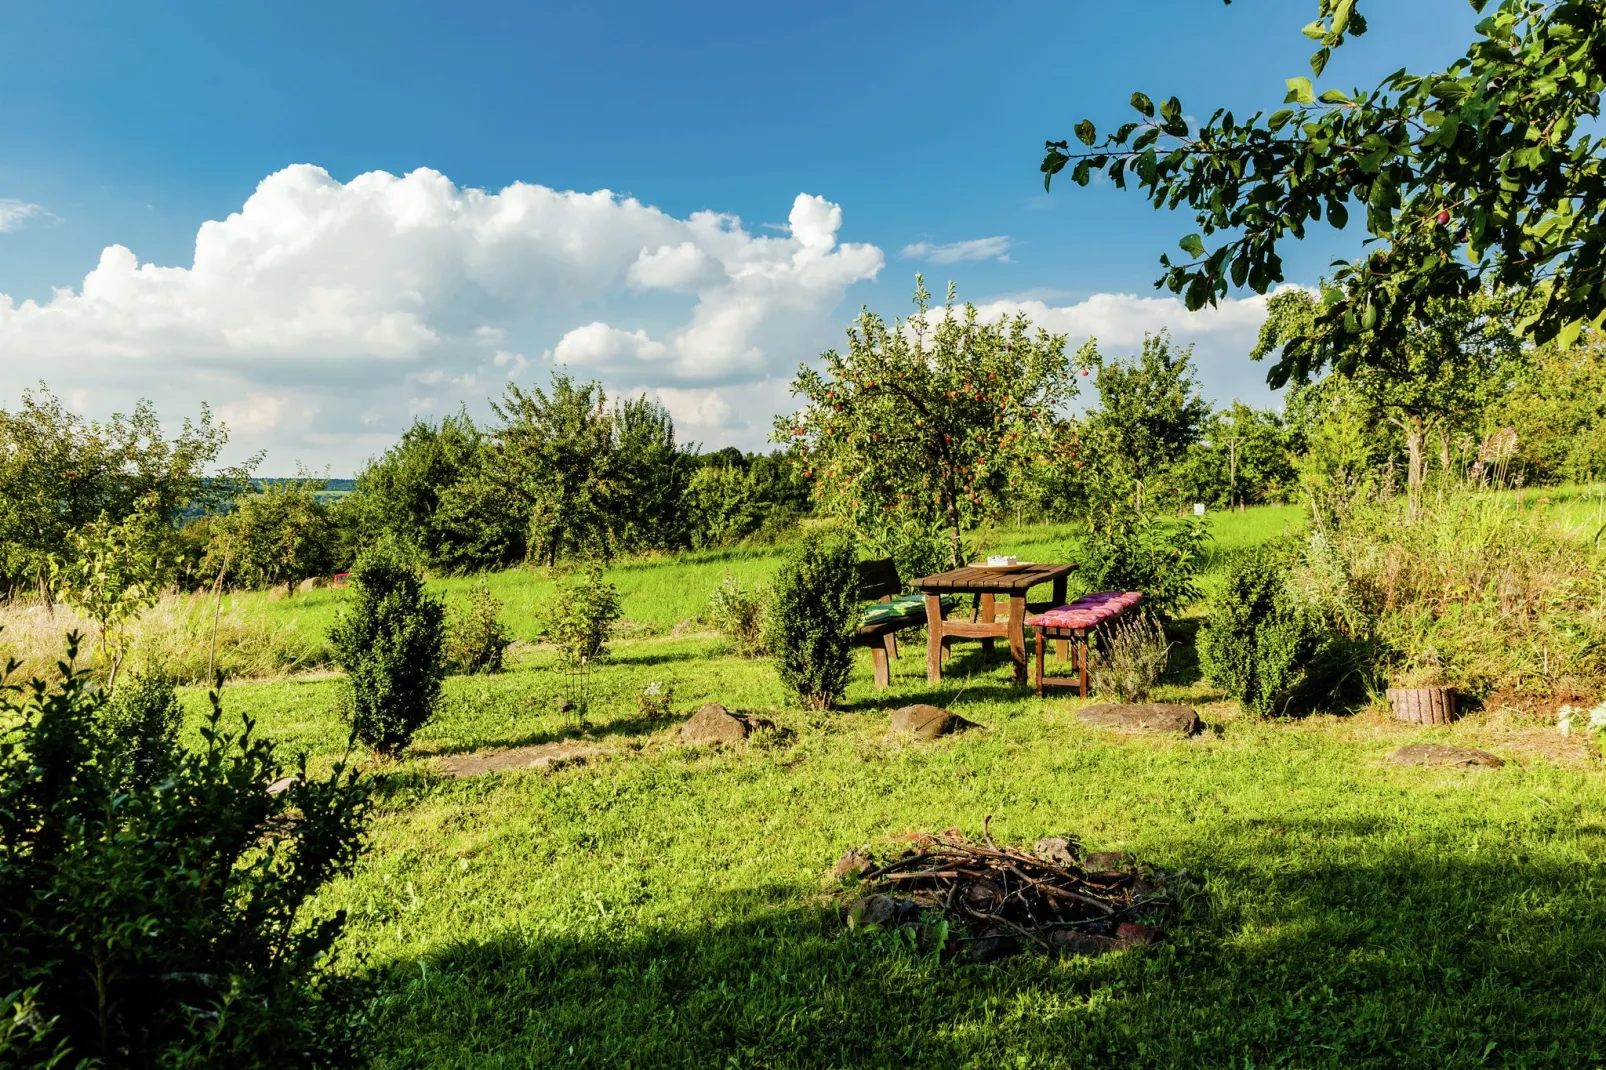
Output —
<point x="891" y="610"/>
<point x="1076" y="622"/>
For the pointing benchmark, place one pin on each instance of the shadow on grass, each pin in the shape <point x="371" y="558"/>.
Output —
<point x="640" y="656"/>
<point x="1404" y="961"/>
<point x="1183" y="669"/>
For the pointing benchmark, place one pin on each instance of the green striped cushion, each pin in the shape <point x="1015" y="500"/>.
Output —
<point x="902" y="607"/>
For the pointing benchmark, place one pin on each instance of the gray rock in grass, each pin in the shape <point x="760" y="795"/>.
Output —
<point x="927" y="722"/>
<point x="713" y="723"/>
<point x="1437" y="754"/>
<point x="1142" y="717"/>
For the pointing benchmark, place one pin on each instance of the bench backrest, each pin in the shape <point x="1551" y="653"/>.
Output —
<point x="878" y="579"/>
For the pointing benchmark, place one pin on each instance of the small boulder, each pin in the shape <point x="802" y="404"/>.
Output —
<point x="852" y="864"/>
<point x="1437" y="754"/>
<point x="311" y="583"/>
<point x="1057" y="850"/>
<point x="993" y="945"/>
<point x="543" y="758"/>
<point x="283" y="784"/>
<point x="1069" y="942"/>
<point x="929" y="938"/>
<point x="927" y="722"/>
<point x="714" y="724"/>
<point x="873" y="910"/>
<point x="1131" y="934"/>
<point x="1142" y="717"/>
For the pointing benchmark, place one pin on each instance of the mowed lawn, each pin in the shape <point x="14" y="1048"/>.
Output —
<point x="663" y="905"/>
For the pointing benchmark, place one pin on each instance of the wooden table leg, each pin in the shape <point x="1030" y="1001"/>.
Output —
<point x="1017" y="635"/>
<point x="987" y="613"/>
<point x="1062" y="647"/>
<point x="1040" y="645"/>
<point x="883" y="671"/>
<point x="1081" y="657"/>
<point x="933" y="639"/>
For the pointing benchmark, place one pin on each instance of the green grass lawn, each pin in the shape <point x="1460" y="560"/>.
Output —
<point x="664" y="906"/>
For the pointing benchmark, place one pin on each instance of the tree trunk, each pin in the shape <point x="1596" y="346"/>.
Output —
<point x="1415" y="447"/>
<point x="1232" y="473"/>
<point x="1423" y="705"/>
<point x="952" y="510"/>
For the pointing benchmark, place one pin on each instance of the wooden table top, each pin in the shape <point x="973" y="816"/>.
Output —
<point x="973" y="580"/>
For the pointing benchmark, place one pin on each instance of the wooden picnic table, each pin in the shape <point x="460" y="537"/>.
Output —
<point x="988" y="585"/>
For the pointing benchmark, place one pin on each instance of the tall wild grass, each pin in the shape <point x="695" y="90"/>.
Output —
<point x="175" y="634"/>
<point x="1488" y="590"/>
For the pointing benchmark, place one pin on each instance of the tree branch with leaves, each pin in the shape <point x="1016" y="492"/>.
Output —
<point x="1481" y="177"/>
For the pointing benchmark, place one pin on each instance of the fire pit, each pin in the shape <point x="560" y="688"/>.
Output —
<point x="963" y="896"/>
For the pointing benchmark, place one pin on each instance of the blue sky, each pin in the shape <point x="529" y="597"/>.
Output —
<point x="133" y="125"/>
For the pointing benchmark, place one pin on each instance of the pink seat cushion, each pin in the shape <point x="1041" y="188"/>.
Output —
<point x="1086" y="612"/>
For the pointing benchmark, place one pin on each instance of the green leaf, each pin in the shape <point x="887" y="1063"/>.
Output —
<point x="1171" y="110"/>
<point x="1143" y="104"/>
<point x="1300" y="92"/>
<point x="1084" y="132"/>
<point x="1315" y="30"/>
<point x="1569" y="333"/>
<point x="1193" y="245"/>
<point x="1279" y="119"/>
<point x="1318" y="61"/>
<point x="1341" y="15"/>
<point x="1333" y="96"/>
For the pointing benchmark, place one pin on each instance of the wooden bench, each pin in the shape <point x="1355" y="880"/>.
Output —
<point x="894" y="611"/>
<point x="1076" y="622"/>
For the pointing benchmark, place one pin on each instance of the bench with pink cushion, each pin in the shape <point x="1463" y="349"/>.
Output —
<point x="1076" y="622"/>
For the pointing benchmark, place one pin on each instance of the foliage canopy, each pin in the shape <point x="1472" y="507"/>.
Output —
<point x="1484" y="176"/>
<point x="922" y="427"/>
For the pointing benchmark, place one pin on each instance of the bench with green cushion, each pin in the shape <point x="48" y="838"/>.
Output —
<point x="890" y="611"/>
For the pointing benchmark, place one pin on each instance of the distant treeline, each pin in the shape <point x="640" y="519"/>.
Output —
<point x="566" y="472"/>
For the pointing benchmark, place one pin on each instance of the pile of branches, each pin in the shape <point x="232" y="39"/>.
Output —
<point x="992" y="901"/>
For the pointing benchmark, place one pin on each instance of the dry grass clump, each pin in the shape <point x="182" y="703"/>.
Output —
<point x="1482" y="589"/>
<point x="176" y="634"/>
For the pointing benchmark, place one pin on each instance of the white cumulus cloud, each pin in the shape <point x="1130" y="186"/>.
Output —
<point x="1222" y="335"/>
<point x="994" y="248"/>
<point x="324" y="306"/>
<point x="14" y="213"/>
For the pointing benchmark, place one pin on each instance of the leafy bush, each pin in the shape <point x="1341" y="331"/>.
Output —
<point x="580" y="617"/>
<point x="1161" y="558"/>
<point x="140" y="725"/>
<point x="738" y="614"/>
<point x="389" y="642"/>
<point x="476" y="639"/>
<point x="165" y="922"/>
<point x="811" y="619"/>
<point x="280" y="533"/>
<point x="1265" y="646"/>
<point x="1133" y="659"/>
